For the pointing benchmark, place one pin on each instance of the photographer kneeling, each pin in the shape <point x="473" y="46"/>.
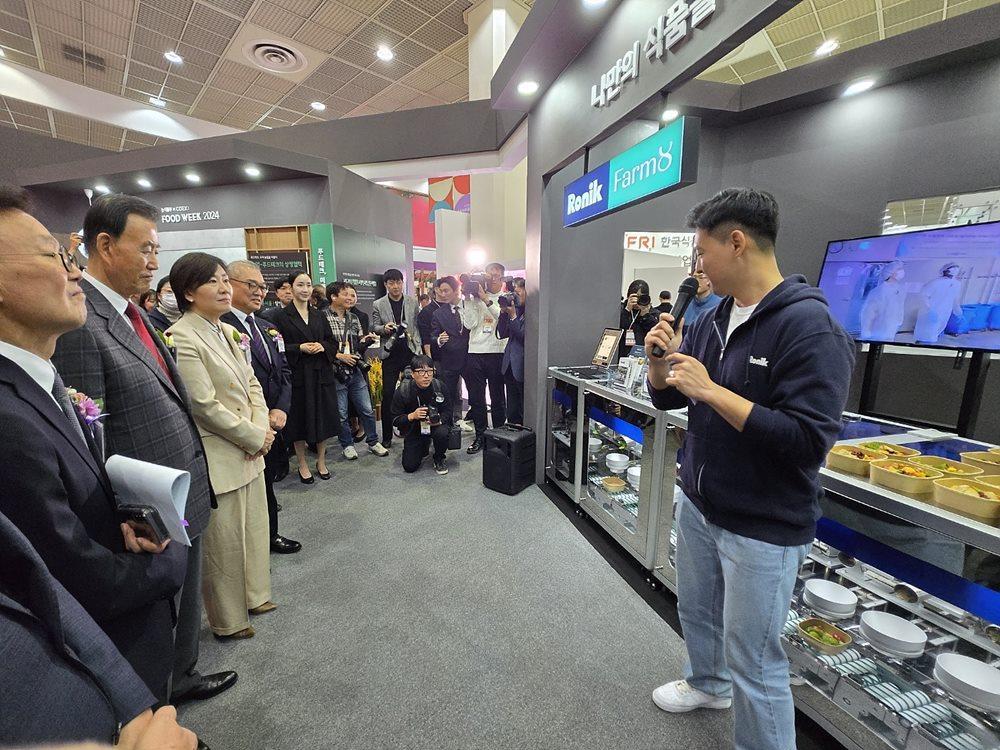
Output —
<point x="422" y="412"/>
<point x="350" y="369"/>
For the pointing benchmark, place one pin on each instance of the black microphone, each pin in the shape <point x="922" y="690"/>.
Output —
<point x="687" y="292"/>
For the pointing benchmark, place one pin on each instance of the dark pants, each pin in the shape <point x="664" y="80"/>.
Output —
<point x="415" y="445"/>
<point x="271" y="466"/>
<point x="482" y="370"/>
<point x="188" y="603"/>
<point x="515" y="398"/>
<point x="452" y="386"/>
<point x="392" y="368"/>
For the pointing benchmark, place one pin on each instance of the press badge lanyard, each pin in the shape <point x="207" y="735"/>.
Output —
<point x="629" y="333"/>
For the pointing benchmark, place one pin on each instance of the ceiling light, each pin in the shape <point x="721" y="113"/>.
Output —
<point x="593" y="3"/>
<point x="157" y="102"/>
<point x="384" y="53"/>
<point x="527" y="88"/>
<point x="318" y="106"/>
<point x="103" y="189"/>
<point x="827" y="47"/>
<point x="252" y="171"/>
<point x="143" y="182"/>
<point x="173" y="57"/>
<point x="475" y="256"/>
<point x="2" y="53"/>
<point x="669" y="115"/>
<point x="859" y="86"/>
<point x="192" y="177"/>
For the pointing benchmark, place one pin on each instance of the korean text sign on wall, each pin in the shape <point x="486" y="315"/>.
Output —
<point x="666" y="160"/>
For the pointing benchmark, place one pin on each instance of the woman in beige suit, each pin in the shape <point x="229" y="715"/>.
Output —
<point x="229" y="409"/>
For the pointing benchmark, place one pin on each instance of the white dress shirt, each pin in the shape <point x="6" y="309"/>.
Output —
<point x="242" y="316"/>
<point x="117" y="301"/>
<point x="38" y="369"/>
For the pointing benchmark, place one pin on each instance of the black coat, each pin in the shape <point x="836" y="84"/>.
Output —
<point x="160" y="321"/>
<point x="313" y="415"/>
<point x="54" y="490"/>
<point x="274" y="374"/>
<point x="425" y="322"/>
<point x="455" y="350"/>
<point x="408" y="398"/>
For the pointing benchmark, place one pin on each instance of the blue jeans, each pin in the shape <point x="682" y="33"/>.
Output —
<point x="733" y="595"/>
<point x="356" y="389"/>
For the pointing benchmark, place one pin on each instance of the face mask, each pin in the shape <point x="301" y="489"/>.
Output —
<point x="169" y="302"/>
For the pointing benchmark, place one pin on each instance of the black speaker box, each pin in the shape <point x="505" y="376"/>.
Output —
<point x="509" y="459"/>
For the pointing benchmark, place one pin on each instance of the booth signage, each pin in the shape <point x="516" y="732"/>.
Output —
<point x="664" y="161"/>
<point x="276" y="267"/>
<point x="678" y="244"/>
<point x="669" y="30"/>
<point x="184" y="215"/>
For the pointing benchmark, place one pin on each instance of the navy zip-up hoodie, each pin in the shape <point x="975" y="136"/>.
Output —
<point x="794" y="362"/>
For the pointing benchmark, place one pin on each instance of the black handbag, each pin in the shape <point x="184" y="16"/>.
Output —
<point x="455" y="438"/>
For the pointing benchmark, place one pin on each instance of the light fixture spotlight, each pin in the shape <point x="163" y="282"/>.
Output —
<point x="527" y="88"/>
<point x="826" y="47"/>
<point x="173" y="57"/>
<point x="192" y="177"/>
<point x="859" y="86"/>
<point x="384" y="53"/>
<point x="103" y="189"/>
<point x="252" y="171"/>
<point x="157" y="101"/>
<point x="593" y="3"/>
<point x="318" y="106"/>
<point x="143" y="182"/>
<point x="669" y="115"/>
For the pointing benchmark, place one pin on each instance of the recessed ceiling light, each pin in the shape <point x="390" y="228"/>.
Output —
<point x="252" y="171"/>
<point x="527" y="88"/>
<point x="143" y="182"/>
<point x="384" y="53"/>
<point x="192" y="177"/>
<point x="827" y="47"/>
<point x="102" y="189"/>
<point x="859" y="86"/>
<point x="318" y="106"/>
<point x="669" y="115"/>
<point x="2" y="53"/>
<point x="157" y="102"/>
<point x="173" y="57"/>
<point x="593" y="3"/>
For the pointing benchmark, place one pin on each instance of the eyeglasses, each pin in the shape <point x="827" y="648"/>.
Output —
<point x="68" y="260"/>
<point x="423" y="372"/>
<point x="252" y="286"/>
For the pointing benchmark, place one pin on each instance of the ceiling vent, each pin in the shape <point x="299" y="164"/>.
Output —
<point x="76" y="54"/>
<point x="274" y="57"/>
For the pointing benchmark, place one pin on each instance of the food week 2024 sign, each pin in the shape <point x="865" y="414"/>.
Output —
<point x="666" y="160"/>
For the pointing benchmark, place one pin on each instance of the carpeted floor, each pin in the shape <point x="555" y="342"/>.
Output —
<point x="429" y="612"/>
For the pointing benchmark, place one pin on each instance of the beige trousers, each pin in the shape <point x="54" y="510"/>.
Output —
<point x="237" y="574"/>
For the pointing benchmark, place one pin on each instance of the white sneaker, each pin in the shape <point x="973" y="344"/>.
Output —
<point x="378" y="449"/>
<point x="678" y="697"/>
<point x="349" y="453"/>
<point x="466" y="426"/>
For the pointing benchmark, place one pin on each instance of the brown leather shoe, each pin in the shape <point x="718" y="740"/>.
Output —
<point x="239" y="635"/>
<point x="264" y="608"/>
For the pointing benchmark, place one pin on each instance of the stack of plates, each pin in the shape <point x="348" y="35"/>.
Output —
<point x="969" y="680"/>
<point x="892" y="635"/>
<point x="828" y="599"/>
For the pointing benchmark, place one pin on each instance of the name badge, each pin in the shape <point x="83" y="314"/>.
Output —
<point x="281" y="344"/>
<point x="425" y="427"/>
<point x="629" y="337"/>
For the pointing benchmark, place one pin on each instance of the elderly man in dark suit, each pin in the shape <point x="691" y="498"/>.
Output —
<point x="52" y="481"/>
<point x="63" y="680"/>
<point x="273" y="372"/>
<point x="452" y="338"/>
<point x="118" y="357"/>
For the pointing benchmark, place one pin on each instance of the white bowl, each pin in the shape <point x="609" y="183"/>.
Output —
<point x="830" y="596"/>
<point x="634" y="475"/>
<point x="971" y="680"/>
<point x="894" y="633"/>
<point x="617" y="462"/>
<point x="594" y="444"/>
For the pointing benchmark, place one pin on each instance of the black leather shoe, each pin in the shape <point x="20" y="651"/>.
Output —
<point x="324" y="477"/>
<point x="307" y="480"/>
<point x="477" y="445"/>
<point x="202" y="745"/>
<point x="284" y="546"/>
<point x="207" y="686"/>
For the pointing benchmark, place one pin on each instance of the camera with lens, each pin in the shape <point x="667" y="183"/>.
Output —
<point x="644" y="300"/>
<point x="342" y="373"/>
<point x="472" y="283"/>
<point x="433" y="416"/>
<point x="506" y="300"/>
<point x="398" y="335"/>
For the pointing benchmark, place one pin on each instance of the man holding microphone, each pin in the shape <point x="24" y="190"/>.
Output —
<point x="765" y="377"/>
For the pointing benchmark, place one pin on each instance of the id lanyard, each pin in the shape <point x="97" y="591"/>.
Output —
<point x="630" y="333"/>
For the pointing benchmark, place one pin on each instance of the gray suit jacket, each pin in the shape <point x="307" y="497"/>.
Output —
<point x="62" y="679"/>
<point x="149" y="418"/>
<point x="382" y="314"/>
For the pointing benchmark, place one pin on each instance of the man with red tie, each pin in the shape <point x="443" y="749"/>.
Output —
<point x="119" y="358"/>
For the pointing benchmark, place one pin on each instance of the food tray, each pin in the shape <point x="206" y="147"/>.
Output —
<point x="853" y="465"/>
<point x="944" y="464"/>
<point x="890" y="450"/>
<point x="993" y="481"/>
<point x="881" y="475"/>
<point x="824" y="648"/>
<point x="987" y="511"/>
<point x="986" y="460"/>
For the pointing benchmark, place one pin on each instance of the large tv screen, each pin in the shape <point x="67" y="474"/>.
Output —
<point x="934" y="287"/>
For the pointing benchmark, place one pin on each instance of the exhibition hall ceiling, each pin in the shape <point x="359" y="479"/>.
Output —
<point x="118" y="46"/>
<point x="793" y="39"/>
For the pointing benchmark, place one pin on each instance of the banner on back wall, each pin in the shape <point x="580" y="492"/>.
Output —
<point x="275" y="267"/>
<point x="324" y="266"/>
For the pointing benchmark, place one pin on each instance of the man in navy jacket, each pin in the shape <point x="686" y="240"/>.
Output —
<point x="273" y="372"/>
<point x="452" y="338"/>
<point x="765" y="377"/>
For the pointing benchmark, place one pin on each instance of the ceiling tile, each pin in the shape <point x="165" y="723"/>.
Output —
<point x="355" y="53"/>
<point x="14" y="7"/>
<point x="721" y="75"/>
<point x="424" y="101"/>
<point x="754" y="64"/>
<point x="412" y="53"/>
<point x="20" y="43"/>
<point x="422" y="79"/>
<point x="860" y="41"/>
<point x="352" y="93"/>
<point x="61" y="23"/>
<point x="454" y="17"/>
<point x="436" y="35"/>
<point x="155" y="20"/>
<point x="205" y="40"/>
<point x="71" y="71"/>
<point x="17" y="107"/>
<point x="402" y="17"/>
<point x="800" y="47"/>
<point x="323" y="83"/>
<point x="339" y="17"/>
<point x="913" y="23"/>
<point x="431" y="6"/>
<point x="339" y="106"/>
<point x="304" y="8"/>
<point x="853" y="29"/>
<point x="338" y="69"/>
<point x="151" y="57"/>
<point x="45" y="7"/>
<point x="318" y="36"/>
<point x="911" y="9"/>
<point x="212" y="20"/>
<point x="959" y="8"/>
<point x="364" y="6"/>
<point x="276" y="19"/>
<point x="195" y="55"/>
<point x="236" y="7"/>
<point x="367" y="81"/>
<point x="17" y="26"/>
<point x="449" y="92"/>
<point x="123" y="8"/>
<point x="845" y="11"/>
<point x="394" y="69"/>
<point x="789" y="32"/>
<point x="444" y="67"/>
<point x="269" y="81"/>
<point x="177" y="95"/>
<point x="176" y="8"/>
<point x="459" y="52"/>
<point x="102" y="43"/>
<point x="260" y="93"/>
<point x="373" y="35"/>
